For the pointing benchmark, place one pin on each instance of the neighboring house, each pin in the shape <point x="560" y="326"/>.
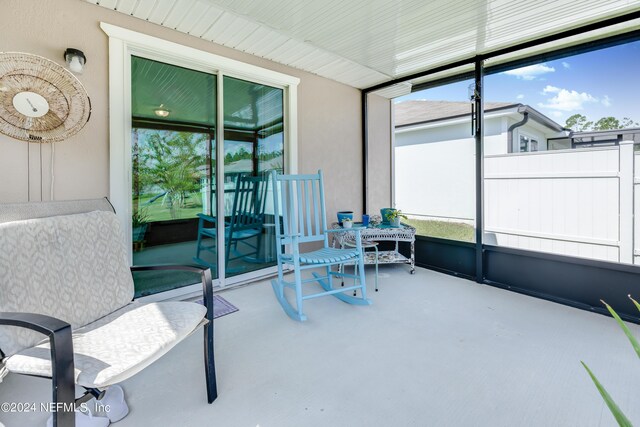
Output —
<point x="434" y="153"/>
<point x="600" y="138"/>
<point x="508" y="127"/>
<point x="434" y="150"/>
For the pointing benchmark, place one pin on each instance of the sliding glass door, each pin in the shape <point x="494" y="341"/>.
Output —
<point x="176" y="215"/>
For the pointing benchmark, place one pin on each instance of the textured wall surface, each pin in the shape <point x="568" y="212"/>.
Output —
<point x="329" y="115"/>
<point x="379" y="157"/>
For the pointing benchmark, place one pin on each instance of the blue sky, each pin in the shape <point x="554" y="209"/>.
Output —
<point x="596" y="84"/>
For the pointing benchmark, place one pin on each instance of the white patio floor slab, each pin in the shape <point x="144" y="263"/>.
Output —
<point x="432" y="350"/>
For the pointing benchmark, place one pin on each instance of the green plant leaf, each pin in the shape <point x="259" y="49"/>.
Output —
<point x="624" y="327"/>
<point x="635" y="302"/>
<point x="622" y="420"/>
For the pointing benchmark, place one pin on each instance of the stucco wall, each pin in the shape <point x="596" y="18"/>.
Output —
<point x="329" y="113"/>
<point x="379" y="157"/>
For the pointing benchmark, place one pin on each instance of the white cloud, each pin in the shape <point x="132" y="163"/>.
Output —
<point x="550" y="89"/>
<point x="557" y="114"/>
<point x="606" y="101"/>
<point x="566" y="100"/>
<point x="530" y="72"/>
<point x="520" y="96"/>
<point x="566" y="64"/>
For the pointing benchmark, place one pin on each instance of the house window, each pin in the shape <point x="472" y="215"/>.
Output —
<point x="528" y="144"/>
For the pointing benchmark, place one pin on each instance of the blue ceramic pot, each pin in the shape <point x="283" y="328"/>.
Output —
<point x="383" y="214"/>
<point x="344" y="214"/>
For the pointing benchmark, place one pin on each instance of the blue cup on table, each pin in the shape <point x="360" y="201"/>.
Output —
<point x="365" y="220"/>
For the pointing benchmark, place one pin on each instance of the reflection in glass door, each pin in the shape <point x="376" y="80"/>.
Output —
<point x="173" y="171"/>
<point x="253" y="146"/>
<point x="175" y="219"/>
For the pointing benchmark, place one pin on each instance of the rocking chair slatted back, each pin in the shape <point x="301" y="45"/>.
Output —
<point x="300" y="200"/>
<point x="249" y="203"/>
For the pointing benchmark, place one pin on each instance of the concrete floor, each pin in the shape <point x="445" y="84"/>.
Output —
<point x="432" y="350"/>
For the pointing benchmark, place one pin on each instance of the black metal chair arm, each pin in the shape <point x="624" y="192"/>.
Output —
<point x="62" y="368"/>
<point x="46" y="325"/>
<point x="205" y="275"/>
<point x="207" y="291"/>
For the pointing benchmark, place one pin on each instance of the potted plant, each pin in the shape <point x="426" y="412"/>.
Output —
<point x="393" y="216"/>
<point x="347" y="222"/>
<point x="139" y="223"/>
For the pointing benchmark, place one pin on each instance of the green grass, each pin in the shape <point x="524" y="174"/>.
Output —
<point x="443" y="229"/>
<point x="157" y="212"/>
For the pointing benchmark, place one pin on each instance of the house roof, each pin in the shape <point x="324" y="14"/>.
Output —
<point x="421" y="111"/>
<point x="363" y="43"/>
<point x="409" y="113"/>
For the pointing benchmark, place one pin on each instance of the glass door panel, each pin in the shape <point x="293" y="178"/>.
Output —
<point x="173" y="172"/>
<point x="253" y="146"/>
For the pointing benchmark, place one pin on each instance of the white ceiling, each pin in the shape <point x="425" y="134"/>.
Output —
<point x="366" y="42"/>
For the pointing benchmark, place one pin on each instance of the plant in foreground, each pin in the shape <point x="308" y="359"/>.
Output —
<point x="613" y="407"/>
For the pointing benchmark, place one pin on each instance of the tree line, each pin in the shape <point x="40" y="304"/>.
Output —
<point x="580" y="123"/>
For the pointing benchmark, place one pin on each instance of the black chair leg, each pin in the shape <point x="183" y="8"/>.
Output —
<point x="209" y="362"/>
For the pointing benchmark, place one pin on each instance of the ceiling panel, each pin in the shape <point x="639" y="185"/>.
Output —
<point x="365" y="42"/>
<point x="193" y="17"/>
<point x="219" y="26"/>
<point x="160" y="11"/>
<point x="126" y="6"/>
<point x="179" y="12"/>
<point x="109" y="4"/>
<point x="143" y="8"/>
<point x="238" y="30"/>
<point x="207" y="20"/>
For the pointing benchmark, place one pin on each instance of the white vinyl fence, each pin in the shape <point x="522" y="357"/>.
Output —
<point x="636" y="207"/>
<point x="571" y="202"/>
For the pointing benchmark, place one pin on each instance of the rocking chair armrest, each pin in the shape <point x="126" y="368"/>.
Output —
<point x="62" y="368"/>
<point x="208" y="218"/>
<point x="211" y="219"/>
<point x="358" y="230"/>
<point x="290" y="236"/>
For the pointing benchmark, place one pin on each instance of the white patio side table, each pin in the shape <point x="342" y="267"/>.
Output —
<point x="404" y="233"/>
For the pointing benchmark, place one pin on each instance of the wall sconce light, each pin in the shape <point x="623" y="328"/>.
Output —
<point x="75" y="60"/>
<point x="161" y="111"/>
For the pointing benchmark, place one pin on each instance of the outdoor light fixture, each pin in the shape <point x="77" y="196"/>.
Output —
<point x="75" y="60"/>
<point x="161" y="111"/>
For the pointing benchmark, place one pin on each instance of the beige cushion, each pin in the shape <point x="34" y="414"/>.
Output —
<point x="72" y="267"/>
<point x="119" y="345"/>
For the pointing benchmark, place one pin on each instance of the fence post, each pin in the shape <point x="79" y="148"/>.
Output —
<point x="626" y="202"/>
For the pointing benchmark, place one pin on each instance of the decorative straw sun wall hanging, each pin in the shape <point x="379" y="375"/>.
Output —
<point x="40" y="101"/>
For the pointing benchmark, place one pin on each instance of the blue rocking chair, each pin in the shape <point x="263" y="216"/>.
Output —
<point x="244" y="225"/>
<point x="300" y="198"/>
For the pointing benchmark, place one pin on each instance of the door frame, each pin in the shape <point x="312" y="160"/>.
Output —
<point x="124" y="43"/>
